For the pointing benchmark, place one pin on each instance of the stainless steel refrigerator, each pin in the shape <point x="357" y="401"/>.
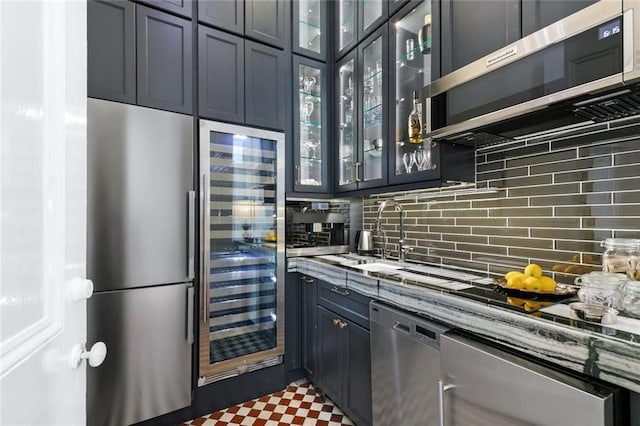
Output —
<point x="140" y="256"/>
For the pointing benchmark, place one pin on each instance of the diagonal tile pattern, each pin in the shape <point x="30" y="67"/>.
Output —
<point x="298" y="404"/>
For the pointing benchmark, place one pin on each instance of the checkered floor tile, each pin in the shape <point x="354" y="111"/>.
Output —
<point x="298" y="404"/>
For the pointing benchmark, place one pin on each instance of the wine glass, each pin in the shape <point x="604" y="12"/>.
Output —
<point x="306" y="109"/>
<point x="309" y="83"/>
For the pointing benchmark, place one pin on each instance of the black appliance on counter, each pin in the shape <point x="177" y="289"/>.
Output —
<point x="317" y="227"/>
<point x="580" y="70"/>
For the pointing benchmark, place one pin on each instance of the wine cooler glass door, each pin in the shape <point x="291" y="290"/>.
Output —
<point x="242" y="322"/>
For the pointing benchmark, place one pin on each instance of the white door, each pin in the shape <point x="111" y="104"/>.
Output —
<point x="42" y="209"/>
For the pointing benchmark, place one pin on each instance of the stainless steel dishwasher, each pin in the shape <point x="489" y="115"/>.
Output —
<point x="405" y="367"/>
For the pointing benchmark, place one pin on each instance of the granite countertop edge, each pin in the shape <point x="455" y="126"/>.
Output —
<point x="582" y="351"/>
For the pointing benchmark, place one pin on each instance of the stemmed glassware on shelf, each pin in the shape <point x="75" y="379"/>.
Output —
<point x="420" y="158"/>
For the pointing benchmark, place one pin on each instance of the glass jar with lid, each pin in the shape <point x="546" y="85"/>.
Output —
<point x="621" y="256"/>
<point x="601" y="288"/>
<point x="631" y="298"/>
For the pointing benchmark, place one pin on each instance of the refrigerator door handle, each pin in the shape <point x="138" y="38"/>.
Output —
<point x="190" y="306"/>
<point x="191" y="238"/>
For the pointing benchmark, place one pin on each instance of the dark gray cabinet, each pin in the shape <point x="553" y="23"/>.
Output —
<point x="241" y="81"/>
<point x="310" y="126"/>
<point x="111" y="56"/>
<point x="355" y="20"/>
<point x="537" y="14"/>
<point x="225" y="14"/>
<point x="267" y="21"/>
<point x="179" y="7"/>
<point x="309" y="318"/>
<point x="310" y="23"/>
<point x="344" y="356"/>
<point x="362" y="115"/>
<point x="221" y="82"/>
<point x="164" y="58"/>
<point x="470" y="32"/>
<point x="266" y="97"/>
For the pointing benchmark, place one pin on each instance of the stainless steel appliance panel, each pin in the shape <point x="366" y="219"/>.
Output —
<point x="140" y="174"/>
<point x="147" y="371"/>
<point x="405" y="368"/>
<point x="485" y="386"/>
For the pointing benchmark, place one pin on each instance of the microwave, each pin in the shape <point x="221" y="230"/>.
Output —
<point x="582" y="69"/>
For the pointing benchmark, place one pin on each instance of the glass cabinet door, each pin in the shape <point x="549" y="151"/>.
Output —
<point x="371" y="13"/>
<point x="411" y="155"/>
<point x="243" y="249"/>
<point x="309" y="27"/>
<point x="346" y="122"/>
<point x="373" y="99"/>
<point x="346" y="21"/>
<point x="310" y="141"/>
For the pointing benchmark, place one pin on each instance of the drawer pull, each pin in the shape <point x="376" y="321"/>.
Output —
<point x="341" y="293"/>
<point x="307" y="280"/>
<point x="336" y="322"/>
<point x="342" y="324"/>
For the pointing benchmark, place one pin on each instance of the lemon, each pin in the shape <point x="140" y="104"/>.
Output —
<point x="512" y="274"/>
<point x="548" y="284"/>
<point x="533" y="270"/>
<point x="531" y="306"/>
<point x="532" y="284"/>
<point x="516" y="282"/>
<point x="515" y="301"/>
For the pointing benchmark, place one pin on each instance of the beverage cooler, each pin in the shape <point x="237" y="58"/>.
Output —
<point x="242" y="245"/>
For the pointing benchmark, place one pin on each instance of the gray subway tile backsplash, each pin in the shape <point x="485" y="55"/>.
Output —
<point x="546" y="200"/>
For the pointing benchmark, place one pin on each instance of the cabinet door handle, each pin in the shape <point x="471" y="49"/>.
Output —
<point x="342" y="324"/>
<point x="204" y="280"/>
<point x="442" y="388"/>
<point x="298" y="177"/>
<point x="357" y="166"/>
<point x="341" y="293"/>
<point x="190" y="303"/>
<point x="336" y="321"/>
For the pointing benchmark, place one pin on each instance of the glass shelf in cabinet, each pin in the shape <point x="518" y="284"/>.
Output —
<point x="405" y="65"/>
<point x="373" y="125"/>
<point x="415" y="142"/>
<point x="308" y="123"/>
<point x="315" y="97"/>
<point x="312" y="160"/>
<point x="366" y="110"/>
<point x="310" y="25"/>
<point x="413" y="52"/>
<point x="372" y="76"/>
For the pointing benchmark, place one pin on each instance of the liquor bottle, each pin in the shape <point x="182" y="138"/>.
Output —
<point x="424" y="36"/>
<point x="415" y="121"/>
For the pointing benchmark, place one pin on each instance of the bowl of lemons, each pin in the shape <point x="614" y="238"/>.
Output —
<point x="531" y="284"/>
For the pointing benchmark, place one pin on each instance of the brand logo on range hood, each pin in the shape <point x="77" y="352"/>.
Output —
<point x="501" y="56"/>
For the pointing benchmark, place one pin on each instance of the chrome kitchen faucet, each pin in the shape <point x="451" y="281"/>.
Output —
<point x="402" y="249"/>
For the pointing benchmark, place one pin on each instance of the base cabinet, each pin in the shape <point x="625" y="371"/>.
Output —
<point x="343" y="349"/>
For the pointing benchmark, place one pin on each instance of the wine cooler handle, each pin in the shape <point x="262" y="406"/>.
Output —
<point x="442" y="388"/>
<point x="204" y="279"/>
<point x="190" y="304"/>
<point x="191" y="237"/>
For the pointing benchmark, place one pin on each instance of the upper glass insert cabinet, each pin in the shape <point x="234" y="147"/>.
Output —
<point x="356" y="20"/>
<point x="413" y="156"/>
<point x="310" y="28"/>
<point x="362" y="103"/>
<point x="310" y="142"/>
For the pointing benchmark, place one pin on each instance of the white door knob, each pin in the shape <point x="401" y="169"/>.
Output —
<point x="96" y="355"/>
<point x="79" y="289"/>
